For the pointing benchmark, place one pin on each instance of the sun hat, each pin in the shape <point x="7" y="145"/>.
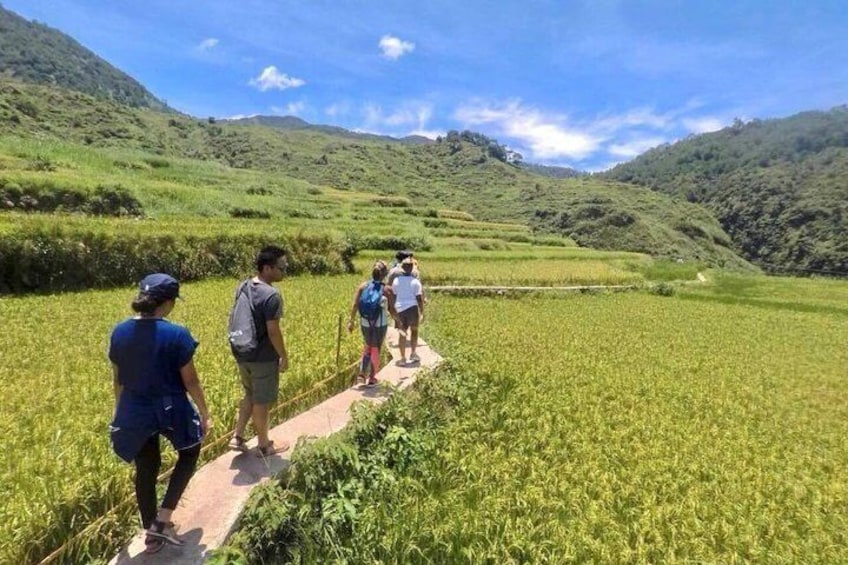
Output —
<point x="160" y="285"/>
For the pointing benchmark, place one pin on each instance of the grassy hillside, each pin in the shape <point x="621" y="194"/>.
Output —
<point x="778" y="187"/>
<point x="223" y="161"/>
<point x="611" y="215"/>
<point x="34" y="52"/>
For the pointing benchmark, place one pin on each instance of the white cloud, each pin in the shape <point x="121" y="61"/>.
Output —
<point x="290" y="109"/>
<point x="337" y="109"/>
<point x="635" y="147"/>
<point x="703" y="125"/>
<point x="638" y="117"/>
<point x="207" y="44"/>
<point x="547" y="136"/>
<point x="272" y="78"/>
<point x="394" y="47"/>
<point x="238" y="116"/>
<point x="409" y="114"/>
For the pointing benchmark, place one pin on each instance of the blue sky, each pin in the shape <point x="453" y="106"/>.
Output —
<point x="579" y="83"/>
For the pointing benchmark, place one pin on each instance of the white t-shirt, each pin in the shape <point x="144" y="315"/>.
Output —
<point x="406" y="288"/>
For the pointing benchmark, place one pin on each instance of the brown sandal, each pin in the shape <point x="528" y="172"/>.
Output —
<point x="271" y="449"/>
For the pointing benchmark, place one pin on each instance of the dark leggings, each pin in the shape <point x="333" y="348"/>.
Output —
<point x="147" y="464"/>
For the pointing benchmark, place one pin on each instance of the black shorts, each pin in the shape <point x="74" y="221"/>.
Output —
<point x="408" y="319"/>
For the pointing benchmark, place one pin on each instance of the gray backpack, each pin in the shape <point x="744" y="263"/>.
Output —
<point x="242" y="329"/>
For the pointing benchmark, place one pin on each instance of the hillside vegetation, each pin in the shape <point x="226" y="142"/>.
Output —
<point x="778" y="187"/>
<point x="34" y="52"/>
<point x="463" y="172"/>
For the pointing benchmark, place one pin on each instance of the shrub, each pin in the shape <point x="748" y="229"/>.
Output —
<point x="435" y="223"/>
<point x="249" y="213"/>
<point x="317" y="503"/>
<point x="158" y="162"/>
<point x="44" y="196"/>
<point x="55" y="259"/>
<point x="41" y="163"/>
<point x="663" y="289"/>
<point x="392" y="201"/>
<point x="259" y="191"/>
<point x="393" y="242"/>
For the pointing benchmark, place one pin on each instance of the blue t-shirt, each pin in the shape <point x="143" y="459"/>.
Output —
<point x="149" y="353"/>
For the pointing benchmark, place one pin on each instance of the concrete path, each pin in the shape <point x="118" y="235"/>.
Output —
<point x="217" y="493"/>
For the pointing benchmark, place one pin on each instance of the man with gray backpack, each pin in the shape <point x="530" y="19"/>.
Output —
<point x="257" y="343"/>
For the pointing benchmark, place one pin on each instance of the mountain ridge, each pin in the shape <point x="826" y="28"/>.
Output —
<point x="34" y="52"/>
<point x="296" y="123"/>
<point x="779" y="187"/>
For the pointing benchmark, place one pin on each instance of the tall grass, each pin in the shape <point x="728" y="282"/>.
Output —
<point x="59" y="473"/>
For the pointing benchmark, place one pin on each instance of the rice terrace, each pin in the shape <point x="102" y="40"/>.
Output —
<point x="644" y="351"/>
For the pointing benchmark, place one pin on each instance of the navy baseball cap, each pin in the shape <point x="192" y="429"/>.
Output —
<point x="160" y="285"/>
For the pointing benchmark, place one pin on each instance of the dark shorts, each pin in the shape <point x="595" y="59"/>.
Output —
<point x="139" y="417"/>
<point x="408" y="319"/>
<point x="374" y="335"/>
<point x="261" y="381"/>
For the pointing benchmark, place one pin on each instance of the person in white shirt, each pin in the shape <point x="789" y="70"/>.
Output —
<point x="409" y="305"/>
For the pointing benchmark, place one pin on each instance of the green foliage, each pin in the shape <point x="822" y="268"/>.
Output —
<point x="42" y="195"/>
<point x="392" y="202"/>
<point x="34" y="52"/>
<point x="249" y="213"/>
<point x="316" y="506"/>
<point x="615" y="216"/>
<point x="58" y="258"/>
<point x="777" y="187"/>
<point x="389" y="242"/>
<point x="662" y="289"/>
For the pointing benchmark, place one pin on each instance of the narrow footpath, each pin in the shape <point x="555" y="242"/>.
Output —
<point x="219" y="490"/>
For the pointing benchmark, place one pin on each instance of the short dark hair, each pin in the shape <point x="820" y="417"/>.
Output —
<point x="147" y="303"/>
<point x="269" y="255"/>
<point x="403" y="254"/>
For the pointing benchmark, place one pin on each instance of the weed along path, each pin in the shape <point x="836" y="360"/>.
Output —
<point x="219" y="490"/>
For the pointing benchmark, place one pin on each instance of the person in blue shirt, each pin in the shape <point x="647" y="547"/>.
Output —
<point x="153" y="375"/>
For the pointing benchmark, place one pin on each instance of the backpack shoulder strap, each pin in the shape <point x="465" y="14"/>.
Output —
<point x="244" y="287"/>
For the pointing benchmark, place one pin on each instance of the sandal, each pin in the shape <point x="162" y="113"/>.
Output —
<point x="152" y="544"/>
<point x="164" y="532"/>
<point x="271" y="449"/>
<point x="238" y="444"/>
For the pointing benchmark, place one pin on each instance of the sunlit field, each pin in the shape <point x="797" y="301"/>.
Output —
<point x="59" y="472"/>
<point x="633" y="428"/>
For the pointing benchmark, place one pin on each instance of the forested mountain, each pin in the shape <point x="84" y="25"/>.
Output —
<point x="779" y="187"/>
<point x="34" y="52"/>
<point x="462" y="171"/>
